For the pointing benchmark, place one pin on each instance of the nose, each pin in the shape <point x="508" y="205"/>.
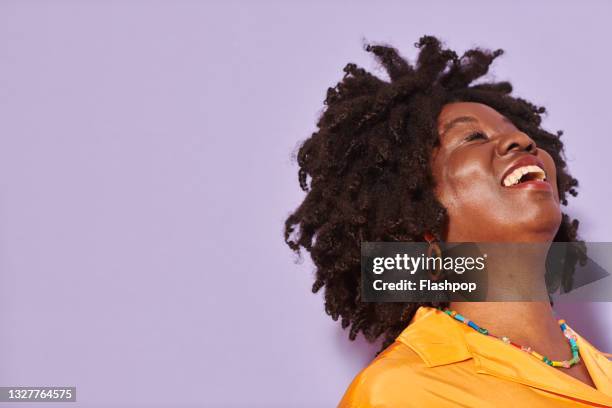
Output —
<point x="515" y="141"/>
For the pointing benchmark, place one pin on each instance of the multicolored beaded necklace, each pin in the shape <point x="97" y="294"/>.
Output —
<point x="567" y="332"/>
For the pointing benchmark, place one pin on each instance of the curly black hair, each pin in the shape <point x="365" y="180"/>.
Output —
<point x="366" y="170"/>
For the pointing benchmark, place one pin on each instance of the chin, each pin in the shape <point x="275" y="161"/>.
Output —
<point x="542" y="228"/>
<point x="538" y="222"/>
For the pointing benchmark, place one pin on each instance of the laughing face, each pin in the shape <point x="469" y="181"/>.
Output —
<point x="495" y="183"/>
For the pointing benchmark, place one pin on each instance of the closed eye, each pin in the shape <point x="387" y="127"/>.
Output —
<point x="475" y="136"/>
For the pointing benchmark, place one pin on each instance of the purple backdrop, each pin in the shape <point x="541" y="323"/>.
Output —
<point x="145" y="174"/>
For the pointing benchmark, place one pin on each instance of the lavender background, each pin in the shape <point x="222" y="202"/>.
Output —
<point x="145" y="173"/>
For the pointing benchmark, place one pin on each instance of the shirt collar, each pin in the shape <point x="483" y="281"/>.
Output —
<point x="438" y="339"/>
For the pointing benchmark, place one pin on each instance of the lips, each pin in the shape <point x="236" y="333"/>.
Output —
<point x="526" y="170"/>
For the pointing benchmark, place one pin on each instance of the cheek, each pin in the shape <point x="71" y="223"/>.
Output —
<point x="466" y="181"/>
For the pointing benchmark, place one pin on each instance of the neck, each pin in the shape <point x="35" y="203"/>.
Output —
<point x="516" y="271"/>
<point x="526" y="323"/>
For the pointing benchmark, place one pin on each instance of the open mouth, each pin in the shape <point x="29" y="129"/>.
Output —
<point x="524" y="174"/>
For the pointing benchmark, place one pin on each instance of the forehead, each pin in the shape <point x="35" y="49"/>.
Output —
<point x="481" y="112"/>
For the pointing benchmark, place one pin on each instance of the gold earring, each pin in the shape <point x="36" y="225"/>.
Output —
<point x="431" y="249"/>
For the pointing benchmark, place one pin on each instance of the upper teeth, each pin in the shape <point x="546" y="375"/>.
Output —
<point x="514" y="177"/>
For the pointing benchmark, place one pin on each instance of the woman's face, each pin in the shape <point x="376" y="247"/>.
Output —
<point x="495" y="183"/>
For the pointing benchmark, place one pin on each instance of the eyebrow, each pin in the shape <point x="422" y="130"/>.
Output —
<point x="460" y="119"/>
<point x="466" y="119"/>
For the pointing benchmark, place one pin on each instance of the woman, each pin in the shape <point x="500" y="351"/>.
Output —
<point x="428" y="153"/>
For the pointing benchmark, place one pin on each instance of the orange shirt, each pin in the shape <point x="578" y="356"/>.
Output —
<point x="439" y="362"/>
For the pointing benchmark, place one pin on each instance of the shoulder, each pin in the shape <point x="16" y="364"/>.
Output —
<point x="395" y="378"/>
